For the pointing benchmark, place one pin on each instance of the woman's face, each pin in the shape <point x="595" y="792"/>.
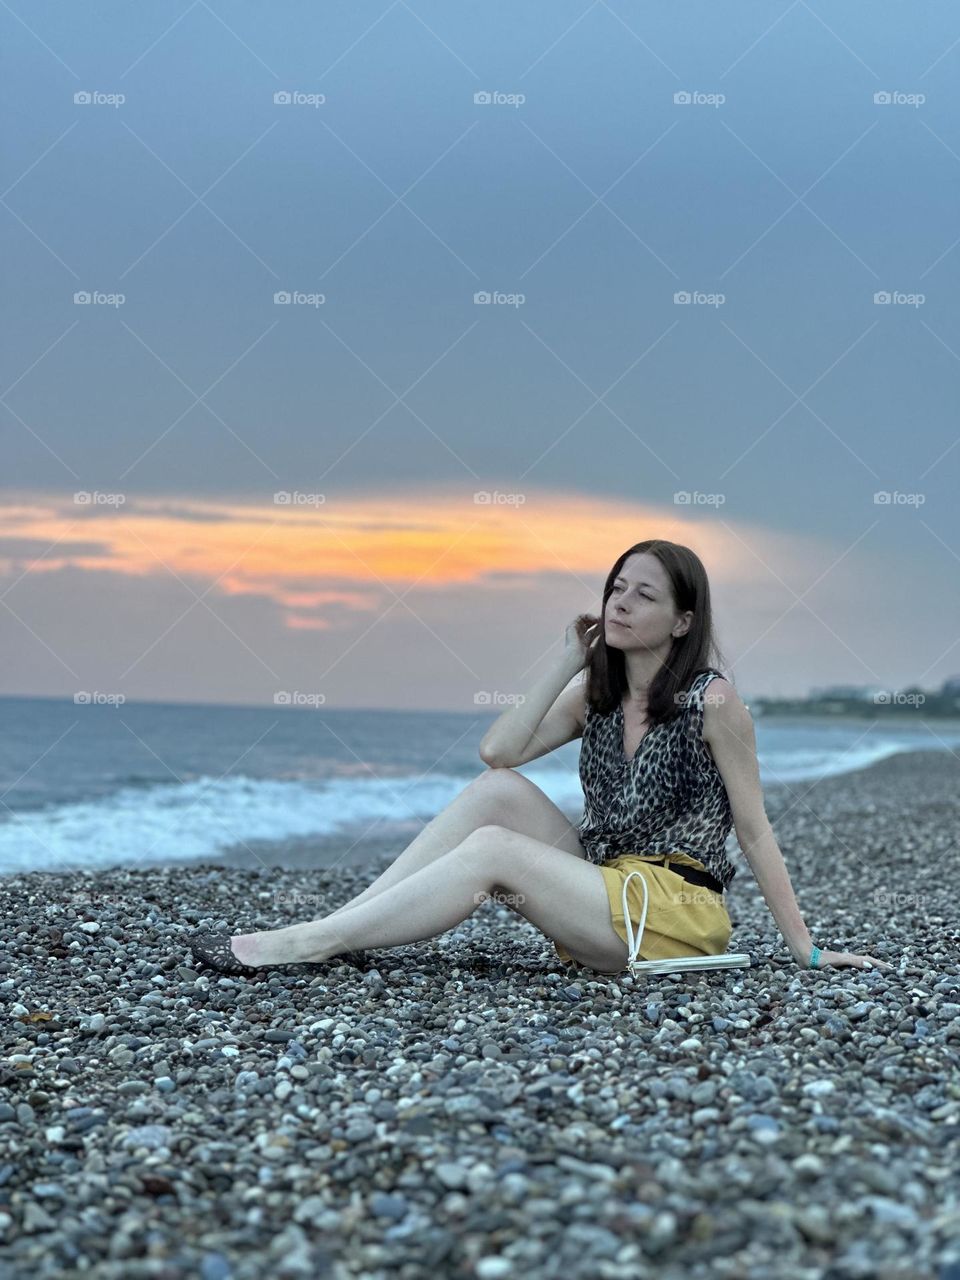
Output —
<point x="641" y="602"/>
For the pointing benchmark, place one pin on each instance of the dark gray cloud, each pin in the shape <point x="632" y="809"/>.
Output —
<point x="37" y="548"/>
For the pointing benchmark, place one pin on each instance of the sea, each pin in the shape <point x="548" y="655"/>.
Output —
<point x="89" y="787"/>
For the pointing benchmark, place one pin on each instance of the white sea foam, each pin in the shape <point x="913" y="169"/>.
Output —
<point x="200" y="819"/>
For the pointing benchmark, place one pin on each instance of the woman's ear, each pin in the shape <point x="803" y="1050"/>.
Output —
<point x="684" y="624"/>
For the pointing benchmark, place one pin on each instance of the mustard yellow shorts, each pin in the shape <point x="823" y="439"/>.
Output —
<point x="683" y="919"/>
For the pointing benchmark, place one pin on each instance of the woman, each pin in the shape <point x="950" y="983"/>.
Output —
<point x="667" y="768"/>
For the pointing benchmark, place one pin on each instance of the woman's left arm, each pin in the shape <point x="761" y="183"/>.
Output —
<point x="728" y="732"/>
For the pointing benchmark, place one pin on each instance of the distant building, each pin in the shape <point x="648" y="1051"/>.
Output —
<point x="853" y="692"/>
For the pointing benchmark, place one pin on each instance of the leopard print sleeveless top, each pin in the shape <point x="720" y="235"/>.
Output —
<point x="670" y="798"/>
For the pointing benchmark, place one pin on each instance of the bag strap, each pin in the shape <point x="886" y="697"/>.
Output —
<point x="634" y="945"/>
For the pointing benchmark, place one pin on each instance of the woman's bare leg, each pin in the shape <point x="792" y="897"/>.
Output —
<point x="569" y="905"/>
<point x="500" y="796"/>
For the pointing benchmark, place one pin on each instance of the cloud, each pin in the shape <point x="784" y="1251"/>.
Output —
<point x="34" y="548"/>
<point x="457" y="586"/>
<point x="348" y="554"/>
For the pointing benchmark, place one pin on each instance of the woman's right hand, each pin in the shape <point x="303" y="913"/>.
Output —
<point x="581" y="638"/>
<point x="841" y="959"/>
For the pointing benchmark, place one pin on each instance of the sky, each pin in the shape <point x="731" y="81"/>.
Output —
<point x="347" y="346"/>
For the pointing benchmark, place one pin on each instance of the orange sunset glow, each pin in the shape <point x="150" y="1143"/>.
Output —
<point x="341" y="551"/>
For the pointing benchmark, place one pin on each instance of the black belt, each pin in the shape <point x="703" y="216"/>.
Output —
<point x="696" y="876"/>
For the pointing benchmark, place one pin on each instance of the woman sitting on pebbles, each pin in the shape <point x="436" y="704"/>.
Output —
<point x="668" y="764"/>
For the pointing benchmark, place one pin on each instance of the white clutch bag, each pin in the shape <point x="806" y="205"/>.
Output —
<point x="678" y="964"/>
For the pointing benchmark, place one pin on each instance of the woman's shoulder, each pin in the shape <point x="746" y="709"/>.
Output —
<point x="701" y="679"/>
<point x="706" y="674"/>
<point x="709" y="685"/>
<point x="718" y="701"/>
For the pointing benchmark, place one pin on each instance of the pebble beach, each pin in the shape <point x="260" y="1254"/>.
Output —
<point x="466" y="1106"/>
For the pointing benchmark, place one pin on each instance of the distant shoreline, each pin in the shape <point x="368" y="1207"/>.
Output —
<point x="797" y="712"/>
<point x="905" y="720"/>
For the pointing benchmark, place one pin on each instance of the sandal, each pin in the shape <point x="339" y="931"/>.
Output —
<point x="213" y="951"/>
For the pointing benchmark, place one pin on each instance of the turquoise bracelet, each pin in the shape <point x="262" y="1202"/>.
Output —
<point x="814" y="958"/>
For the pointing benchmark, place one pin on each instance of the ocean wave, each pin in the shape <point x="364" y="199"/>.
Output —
<point x="199" y="819"/>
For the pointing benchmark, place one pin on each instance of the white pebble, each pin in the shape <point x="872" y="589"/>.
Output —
<point x="493" y="1268"/>
<point x="818" y="1088"/>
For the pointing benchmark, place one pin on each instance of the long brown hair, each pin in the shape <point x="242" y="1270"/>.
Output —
<point x="689" y="654"/>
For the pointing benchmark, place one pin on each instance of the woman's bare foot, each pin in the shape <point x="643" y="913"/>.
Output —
<point x="295" y="944"/>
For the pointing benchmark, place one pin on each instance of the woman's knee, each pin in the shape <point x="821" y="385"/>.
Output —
<point x="494" y="846"/>
<point x="505" y="795"/>
<point x="487" y="837"/>
<point x="500" y="784"/>
<point x="508" y="798"/>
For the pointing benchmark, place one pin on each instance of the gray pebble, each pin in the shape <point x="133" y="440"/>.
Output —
<point x="311" y="1210"/>
<point x="215" y="1266"/>
<point x="388" y="1206"/>
<point x="453" y="1176"/>
<point x="360" y="1130"/>
<point x="151" y="1136"/>
<point x="763" y="1128"/>
<point x="36" y="1218"/>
